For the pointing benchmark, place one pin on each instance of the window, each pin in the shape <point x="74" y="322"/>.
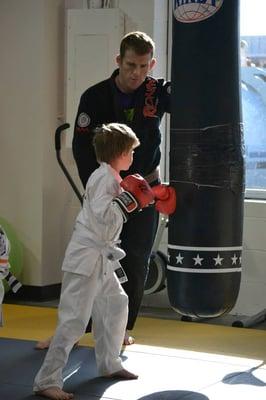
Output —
<point x="253" y="83"/>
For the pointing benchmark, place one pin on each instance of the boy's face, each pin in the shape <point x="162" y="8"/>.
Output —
<point x="133" y="69"/>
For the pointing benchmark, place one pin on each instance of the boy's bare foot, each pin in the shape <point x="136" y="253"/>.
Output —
<point x="55" y="393"/>
<point x="128" y="340"/>
<point x="44" y="344"/>
<point x="122" y="374"/>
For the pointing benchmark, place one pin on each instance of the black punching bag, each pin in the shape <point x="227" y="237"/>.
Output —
<point x="206" y="159"/>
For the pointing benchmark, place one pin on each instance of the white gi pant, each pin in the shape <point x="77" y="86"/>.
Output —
<point x="101" y="296"/>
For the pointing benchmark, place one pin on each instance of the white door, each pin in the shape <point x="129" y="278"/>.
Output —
<point x="92" y="41"/>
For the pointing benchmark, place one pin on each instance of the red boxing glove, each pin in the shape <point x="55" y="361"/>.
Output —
<point x="165" y="198"/>
<point x="137" y="195"/>
<point x="139" y="188"/>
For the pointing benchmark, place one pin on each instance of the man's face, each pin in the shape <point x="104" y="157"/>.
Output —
<point x="133" y="69"/>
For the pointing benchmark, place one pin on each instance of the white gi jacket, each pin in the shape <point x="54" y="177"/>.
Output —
<point x="98" y="224"/>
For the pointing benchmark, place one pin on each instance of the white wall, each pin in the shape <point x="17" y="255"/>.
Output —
<point x="33" y="197"/>
<point x="252" y="296"/>
<point x="20" y="103"/>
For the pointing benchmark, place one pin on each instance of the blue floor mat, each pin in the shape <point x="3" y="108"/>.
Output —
<point x="19" y="363"/>
<point x="164" y="374"/>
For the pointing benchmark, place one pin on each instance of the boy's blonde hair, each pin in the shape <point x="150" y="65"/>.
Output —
<point x="112" y="140"/>
<point x="137" y="41"/>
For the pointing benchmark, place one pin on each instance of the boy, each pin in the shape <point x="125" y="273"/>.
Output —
<point x="90" y="286"/>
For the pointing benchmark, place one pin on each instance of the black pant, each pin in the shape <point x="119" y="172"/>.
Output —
<point x="137" y="238"/>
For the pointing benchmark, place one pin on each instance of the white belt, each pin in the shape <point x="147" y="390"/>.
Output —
<point x="109" y="250"/>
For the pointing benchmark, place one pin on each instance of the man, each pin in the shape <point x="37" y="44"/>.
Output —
<point x="133" y="97"/>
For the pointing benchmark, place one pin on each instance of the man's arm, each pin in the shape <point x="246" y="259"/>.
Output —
<point x="82" y="147"/>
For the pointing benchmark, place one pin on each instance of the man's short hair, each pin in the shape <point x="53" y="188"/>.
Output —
<point x="112" y="140"/>
<point x="138" y="41"/>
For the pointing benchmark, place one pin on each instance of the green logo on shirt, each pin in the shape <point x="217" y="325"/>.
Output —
<point x="129" y="114"/>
